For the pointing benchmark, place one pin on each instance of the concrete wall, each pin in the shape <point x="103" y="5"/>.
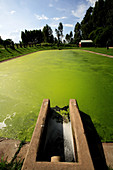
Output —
<point x="83" y="157"/>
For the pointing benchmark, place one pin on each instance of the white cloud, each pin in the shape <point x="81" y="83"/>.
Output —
<point x="68" y="25"/>
<point x="14" y="35"/>
<point x="63" y="17"/>
<point x="12" y="12"/>
<point x="80" y="11"/>
<point x="57" y="18"/>
<point x="54" y="25"/>
<point x="50" y="5"/>
<point x="92" y="2"/>
<point x="42" y="17"/>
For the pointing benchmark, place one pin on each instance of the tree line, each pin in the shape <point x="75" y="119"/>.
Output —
<point x="96" y="25"/>
<point x="34" y="37"/>
<point x="46" y="35"/>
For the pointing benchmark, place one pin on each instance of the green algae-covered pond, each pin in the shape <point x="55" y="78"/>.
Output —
<point x="58" y="75"/>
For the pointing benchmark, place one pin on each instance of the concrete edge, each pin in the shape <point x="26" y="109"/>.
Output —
<point x="81" y="148"/>
<point x="30" y="158"/>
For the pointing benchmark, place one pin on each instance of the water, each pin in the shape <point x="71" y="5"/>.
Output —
<point x="68" y="142"/>
<point x="8" y="117"/>
<point x="58" y="141"/>
<point x="58" y="75"/>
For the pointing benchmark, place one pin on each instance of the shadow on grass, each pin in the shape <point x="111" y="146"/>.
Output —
<point x="8" y="50"/>
<point x="18" y="51"/>
<point x="94" y="143"/>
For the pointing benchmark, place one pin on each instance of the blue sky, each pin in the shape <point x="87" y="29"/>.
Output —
<point x="18" y="15"/>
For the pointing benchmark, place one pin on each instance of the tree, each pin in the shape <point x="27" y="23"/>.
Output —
<point x="69" y="38"/>
<point x="55" y="40"/>
<point x="48" y="34"/>
<point x="59" y="32"/>
<point x="109" y="12"/>
<point x="24" y="37"/>
<point x="101" y="36"/>
<point x="86" y="24"/>
<point x="38" y="36"/>
<point x="31" y="37"/>
<point x="1" y="41"/>
<point x="98" y="15"/>
<point x="60" y="28"/>
<point x="77" y="31"/>
<point x="8" y="43"/>
<point x="98" y="23"/>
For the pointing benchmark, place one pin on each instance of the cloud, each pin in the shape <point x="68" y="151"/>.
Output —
<point x="80" y="11"/>
<point x="12" y="12"/>
<point x="57" y="18"/>
<point x="68" y="25"/>
<point x="92" y="2"/>
<point x="53" y="25"/>
<point x="42" y="17"/>
<point x="14" y="35"/>
<point x="61" y="9"/>
<point x="50" y="5"/>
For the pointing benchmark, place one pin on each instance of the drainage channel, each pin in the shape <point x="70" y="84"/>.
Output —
<point x="57" y="145"/>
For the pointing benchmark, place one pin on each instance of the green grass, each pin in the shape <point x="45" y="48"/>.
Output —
<point x="58" y="75"/>
<point x="9" y="53"/>
<point x="100" y="50"/>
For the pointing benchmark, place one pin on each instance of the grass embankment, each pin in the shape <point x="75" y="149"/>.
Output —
<point x="9" y="53"/>
<point x="100" y="50"/>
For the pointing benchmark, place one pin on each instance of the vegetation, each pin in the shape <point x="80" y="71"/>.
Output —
<point x="9" y="53"/>
<point x="69" y="37"/>
<point x="71" y="74"/>
<point x="97" y="24"/>
<point x="59" y="33"/>
<point x="100" y="50"/>
<point x="14" y="164"/>
<point x="58" y="75"/>
<point x="77" y="35"/>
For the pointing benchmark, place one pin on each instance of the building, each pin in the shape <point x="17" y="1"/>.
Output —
<point x="86" y="43"/>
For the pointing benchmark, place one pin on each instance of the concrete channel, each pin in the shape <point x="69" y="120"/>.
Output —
<point x="57" y="144"/>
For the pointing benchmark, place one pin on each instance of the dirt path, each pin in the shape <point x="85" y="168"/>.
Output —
<point x="110" y="56"/>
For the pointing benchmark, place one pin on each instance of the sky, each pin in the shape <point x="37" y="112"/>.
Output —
<point x="18" y="15"/>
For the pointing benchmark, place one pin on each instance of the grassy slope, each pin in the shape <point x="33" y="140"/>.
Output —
<point x="9" y="53"/>
<point x="100" y="50"/>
